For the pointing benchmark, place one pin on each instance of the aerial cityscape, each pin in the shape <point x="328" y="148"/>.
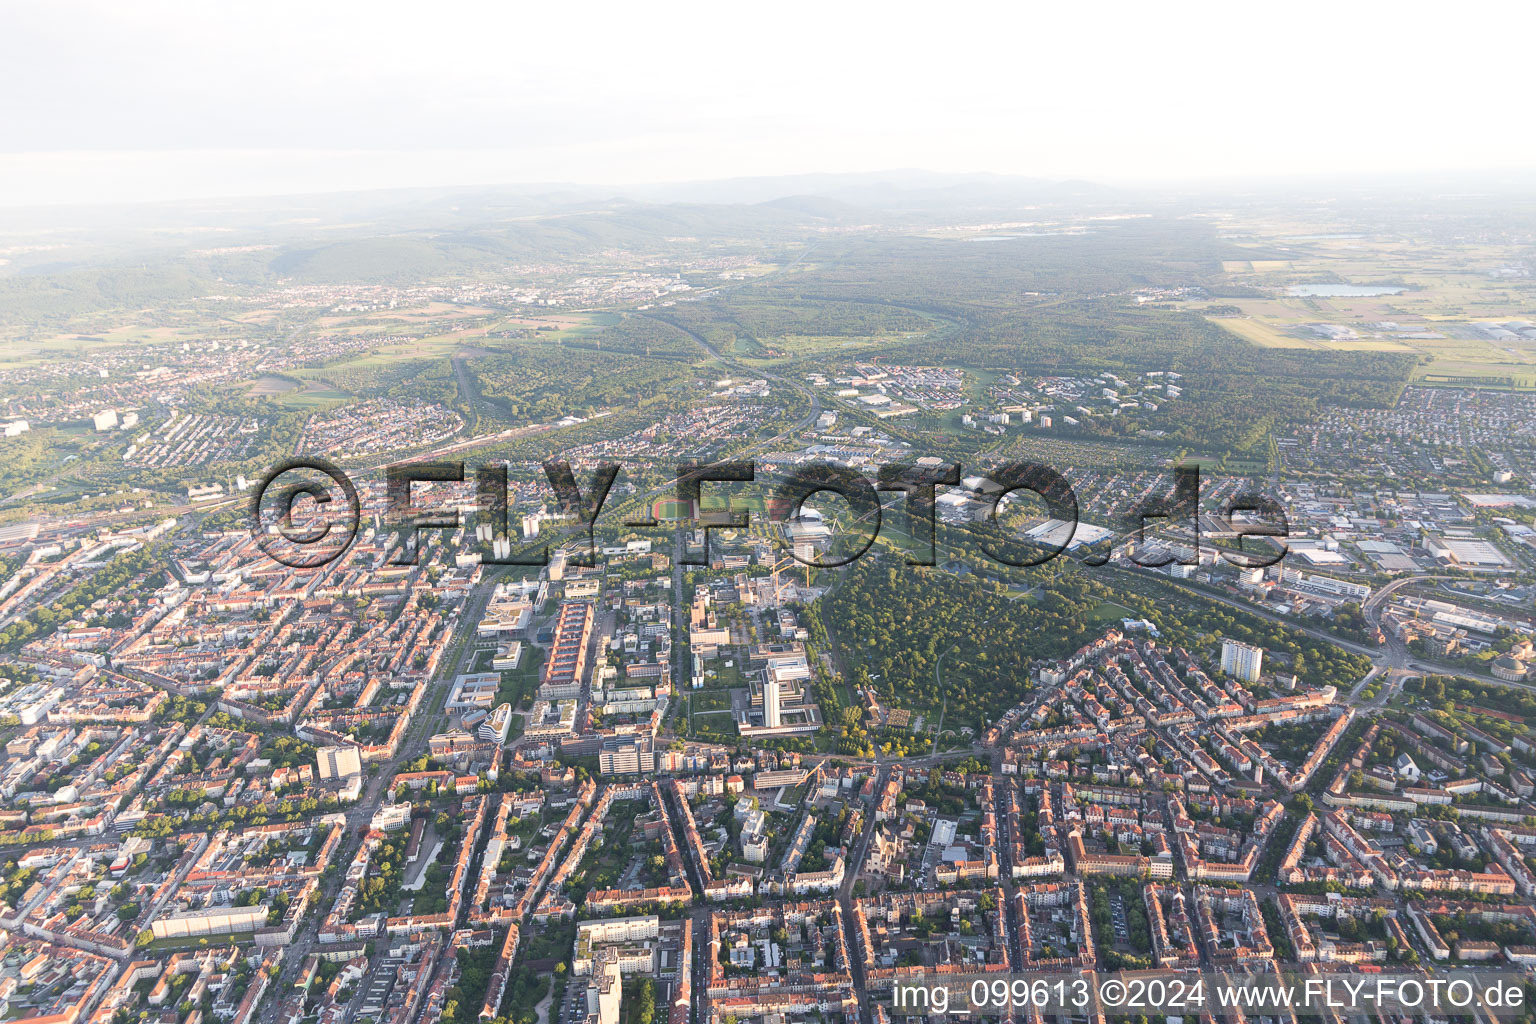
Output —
<point x="808" y="598"/>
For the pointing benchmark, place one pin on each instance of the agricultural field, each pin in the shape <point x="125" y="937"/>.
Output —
<point x="1434" y="298"/>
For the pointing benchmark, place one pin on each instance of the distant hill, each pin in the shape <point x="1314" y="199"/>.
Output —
<point x="426" y="254"/>
<point x="818" y="206"/>
<point x="93" y="259"/>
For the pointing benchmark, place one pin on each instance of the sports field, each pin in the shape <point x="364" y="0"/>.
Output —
<point x="670" y="510"/>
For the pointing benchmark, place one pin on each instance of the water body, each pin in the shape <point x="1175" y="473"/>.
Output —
<point x="1350" y="291"/>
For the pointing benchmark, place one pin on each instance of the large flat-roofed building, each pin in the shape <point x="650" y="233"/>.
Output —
<point x="339" y="762"/>
<point x="586" y="587"/>
<point x="618" y="931"/>
<point x="778" y="778"/>
<point x="1316" y="583"/>
<point x="506" y="615"/>
<point x="494" y="729"/>
<point x="627" y="755"/>
<point x="1468" y="552"/>
<point x="789" y="667"/>
<point x="508" y="656"/>
<point x="218" y="921"/>
<point x="550" y="720"/>
<point x="474" y="690"/>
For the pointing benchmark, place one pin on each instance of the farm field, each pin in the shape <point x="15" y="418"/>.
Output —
<point x="1447" y="292"/>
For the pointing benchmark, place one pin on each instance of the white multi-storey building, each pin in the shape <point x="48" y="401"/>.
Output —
<point x="1244" y="661"/>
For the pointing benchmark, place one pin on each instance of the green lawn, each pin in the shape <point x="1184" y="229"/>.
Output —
<point x="709" y="715"/>
<point x="1111" y="612"/>
<point x="710" y="700"/>
<point x="521" y="682"/>
<point x="198" y="941"/>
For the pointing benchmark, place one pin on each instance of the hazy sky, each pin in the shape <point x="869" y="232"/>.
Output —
<point x="151" y="100"/>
